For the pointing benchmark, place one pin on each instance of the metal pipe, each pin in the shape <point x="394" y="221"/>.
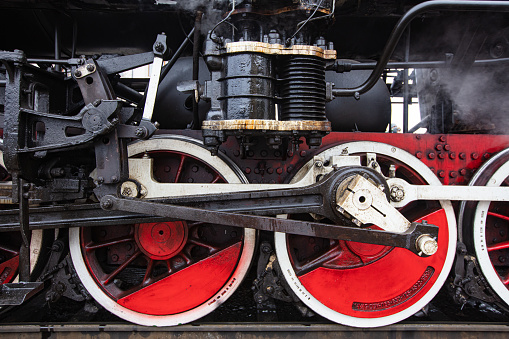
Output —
<point x="196" y="67"/>
<point x="404" y="21"/>
<point x="406" y="93"/>
<point x="57" y="46"/>
<point x="176" y="55"/>
<point x="420" y="124"/>
<point x="348" y="66"/>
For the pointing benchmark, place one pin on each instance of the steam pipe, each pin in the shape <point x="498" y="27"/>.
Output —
<point x="404" y="21"/>
<point x="196" y="65"/>
<point x="346" y="65"/>
<point x="176" y="55"/>
<point x="58" y="68"/>
<point x="406" y="94"/>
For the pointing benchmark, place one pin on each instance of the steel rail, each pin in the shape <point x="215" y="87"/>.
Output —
<point x="265" y="330"/>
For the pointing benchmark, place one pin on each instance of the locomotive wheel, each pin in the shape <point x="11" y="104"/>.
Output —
<point x="366" y="285"/>
<point x="172" y="272"/>
<point x="485" y="226"/>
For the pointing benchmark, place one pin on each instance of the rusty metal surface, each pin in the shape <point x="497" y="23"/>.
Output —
<point x="270" y="125"/>
<point x="277" y="49"/>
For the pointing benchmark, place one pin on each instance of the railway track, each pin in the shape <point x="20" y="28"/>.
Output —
<point x="254" y="330"/>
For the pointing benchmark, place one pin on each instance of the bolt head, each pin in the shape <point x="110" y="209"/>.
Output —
<point x="159" y="47"/>
<point x="90" y="68"/>
<point x="77" y="73"/>
<point x="107" y="204"/>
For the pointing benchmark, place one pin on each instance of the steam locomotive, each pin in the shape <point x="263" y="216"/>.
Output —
<point x="259" y="139"/>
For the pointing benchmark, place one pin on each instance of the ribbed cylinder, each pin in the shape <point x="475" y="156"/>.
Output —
<point x="302" y="88"/>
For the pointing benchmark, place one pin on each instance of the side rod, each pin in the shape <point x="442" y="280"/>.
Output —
<point x="405" y="240"/>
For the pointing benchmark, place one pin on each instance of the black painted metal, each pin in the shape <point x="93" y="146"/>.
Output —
<point x="64" y="216"/>
<point x="302" y="88"/>
<point x="248" y="86"/>
<point x="365" y="235"/>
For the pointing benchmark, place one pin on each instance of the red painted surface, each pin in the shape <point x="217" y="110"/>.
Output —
<point x="388" y="285"/>
<point x="187" y="288"/>
<point x="8" y="270"/>
<point x="452" y="157"/>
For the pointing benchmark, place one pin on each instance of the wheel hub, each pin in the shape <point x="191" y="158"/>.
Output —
<point x="162" y="240"/>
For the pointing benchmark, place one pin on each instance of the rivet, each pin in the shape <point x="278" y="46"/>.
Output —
<point x="418" y="155"/>
<point x="453" y="174"/>
<point x="442" y="138"/>
<point x="463" y="171"/>
<point x="270" y="170"/>
<point x="486" y="156"/>
<point x="441" y="155"/>
<point x="303" y="153"/>
<point x="475" y="156"/>
<point x="279" y="170"/>
<point x="463" y="156"/>
<point x="452" y="155"/>
<point x="438" y="147"/>
<point x="247" y="170"/>
<point x="447" y="147"/>
<point x="441" y="174"/>
<point x="431" y="155"/>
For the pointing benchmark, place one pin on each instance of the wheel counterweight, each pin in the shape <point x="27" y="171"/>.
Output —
<point x="367" y="285"/>
<point x="171" y="272"/>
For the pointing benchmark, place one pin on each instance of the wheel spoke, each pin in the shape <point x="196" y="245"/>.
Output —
<point x="181" y="165"/>
<point x="500" y="246"/>
<point x="109" y="278"/>
<point x="202" y="244"/>
<point x="168" y="264"/>
<point x="500" y="216"/>
<point x="9" y="249"/>
<point x="186" y="257"/>
<point x="195" y="223"/>
<point x="320" y="261"/>
<point x="216" y="179"/>
<point x="148" y="273"/>
<point x="91" y="246"/>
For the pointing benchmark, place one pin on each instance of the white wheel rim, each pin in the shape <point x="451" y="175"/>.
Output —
<point x="187" y="145"/>
<point x="481" y="250"/>
<point x="307" y="298"/>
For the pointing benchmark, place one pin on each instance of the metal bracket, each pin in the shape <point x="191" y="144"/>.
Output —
<point x="18" y="293"/>
<point x="159" y="49"/>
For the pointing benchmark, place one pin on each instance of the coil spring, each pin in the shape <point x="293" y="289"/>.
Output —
<point x="302" y="88"/>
